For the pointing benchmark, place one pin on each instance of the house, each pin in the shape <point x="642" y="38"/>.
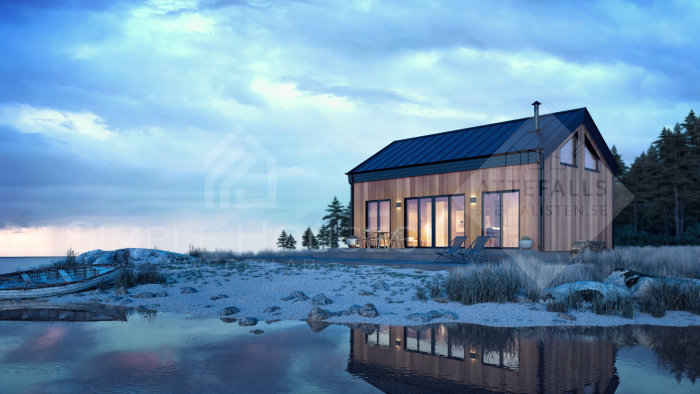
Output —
<point x="547" y="177"/>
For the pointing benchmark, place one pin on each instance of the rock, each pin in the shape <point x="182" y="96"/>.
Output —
<point x="450" y="316"/>
<point x="143" y="309"/>
<point x="121" y="291"/>
<point x="247" y="321"/>
<point x="434" y="314"/>
<point x="365" y="293"/>
<point x="352" y="310"/>
<point x="228" y="319"/>
<point x="257" y="332"/>
<point x="419" y="317"/>
<point x="640" y="285"/>
<point x="441" y="300"/>
<point x="272" y="309"/>
<point x="587" y="290"/>
<point x="321" y="299"/>
<point x="162" y="294"/>
<point x="318" y="314"/>
<point x="95" y="299"/>
<point x="317" y="325"/>
<point x="380" y="285"/>
<point x="566" y="316"/>
<point x="368" y="310"/>
<point x="122" y="256"/>
<point x="218" y="297"/>
<point x="112" y="299"/>
<point x="144" y="295"/>
<point x="230" y="310"/>
<point x="293" y="295"/>
<point x="300" y="299"/>
<point x="188" y="290"/>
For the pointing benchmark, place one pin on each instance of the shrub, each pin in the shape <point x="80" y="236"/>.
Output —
<point x="421" y="294"/>
<point x="146" y="275"/>
<point x="483" y="283"/>
<point x="435" y="291"/>
<point x="666" y="296"/>
<point x="572" y="301"/>
<point x="622" y="306"/>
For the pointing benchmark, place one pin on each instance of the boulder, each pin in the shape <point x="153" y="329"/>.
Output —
<point x="450" y="316"/>
<point x="162" y="294"/>
<point x="365" y="293"/>
<point x="121" y="291"/>
<point x="272" y="309"/>
<point x="122" y="256"/>
<point x="230" y="310"/>
<point x="144" y="295"/>
<point x="587" y="290"/>
<point x="434" y="314"/>
<point x="188" y="290"/>
<point x="321" y="299"/>
<point x="640" y="285"/>
<point x="257" y="332"/>
<point x="352" y="310"/>
<point x="368" y="310"/>
<point x="218" y="297"/>
<point x="419" y="317"/>
<point x="300" y="299"/>
<point x="318" y="314"/>
<point x="294" y="295"/>
<point x="380" y="285"/>
<point x="247" y="321"/>
<point x="566" y="316"/>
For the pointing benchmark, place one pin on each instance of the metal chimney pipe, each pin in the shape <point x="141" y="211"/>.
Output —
<point x="536" y="104"/>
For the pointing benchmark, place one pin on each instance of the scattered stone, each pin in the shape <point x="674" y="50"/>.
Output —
<point x="318" y="314"/>
<point x="188" y="290"/>
<point x="380" y="285"/>
<point x="450" y="316"/>
<point x="365" y="293"/>
<point x="441" y="300"/>
<point x="434" y="314"/>
<point x="218" y="297"/>
<point x="566" y="316"/>
<point x="293" y="295"/>
<point x="121" y="291"/>
<point x="300" y="299"/>
<point x="230" y="310"/>
<point x="144" y="295"/>
<point x="272" y="309"/>
<point x="419" y="317"/>
<point x="257" y="332"/>
<point x="247" y="321"/>
<point x="388" y="300"/>
<point x="228" y="319"/>
<point x="368" y="310"/>
<point x="587" y="290"/>
<point x="321" y="299"/>
<point x="162" y="294"/>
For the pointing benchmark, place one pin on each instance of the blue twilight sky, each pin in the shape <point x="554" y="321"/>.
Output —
<point x="126" y="123"/>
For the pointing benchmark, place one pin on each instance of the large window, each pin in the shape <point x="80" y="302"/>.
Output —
<point x="568" y="152"/>
<point x="434" y="221"/>
<point x="379" y="216"/>
<point x="501" y="218"/>
<point x="590" y="157"/>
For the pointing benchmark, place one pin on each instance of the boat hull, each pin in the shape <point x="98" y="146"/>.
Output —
<point x="60" y="288"/>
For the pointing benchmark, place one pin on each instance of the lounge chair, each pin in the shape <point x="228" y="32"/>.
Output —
<point x="452" y="251"/>
<point x="396" y="239"/>
<point x="475" y="251"/>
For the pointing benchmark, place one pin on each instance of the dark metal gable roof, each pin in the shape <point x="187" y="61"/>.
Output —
<point x="488" y="140"/>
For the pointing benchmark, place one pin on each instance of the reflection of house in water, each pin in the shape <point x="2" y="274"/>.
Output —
<point x="477" y="358"/>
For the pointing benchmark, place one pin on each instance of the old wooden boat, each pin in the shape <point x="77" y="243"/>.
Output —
<point x="52" y="281"/>
<point x="39" y="310"/>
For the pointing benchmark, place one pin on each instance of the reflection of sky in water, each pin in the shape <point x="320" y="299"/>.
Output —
<point x="640" y="371"/>
<point x="172" y="353"/>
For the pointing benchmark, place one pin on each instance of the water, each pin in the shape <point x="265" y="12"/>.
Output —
<point x="172" y="353"/>
<point x="12" y="264"/>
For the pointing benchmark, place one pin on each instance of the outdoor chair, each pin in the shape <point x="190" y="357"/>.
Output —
<point x="452" y="251"/>
<point x="396" y="237"/>
<point x="475" y="252"/>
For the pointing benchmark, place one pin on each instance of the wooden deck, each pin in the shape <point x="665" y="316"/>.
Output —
<point x="408" y="258"/>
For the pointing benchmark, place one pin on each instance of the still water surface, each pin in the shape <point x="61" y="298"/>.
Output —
<point x="172" y="353"/>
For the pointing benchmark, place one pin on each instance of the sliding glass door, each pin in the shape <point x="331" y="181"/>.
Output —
<point x="434" y="221"/>
<point x="501" y="218"/>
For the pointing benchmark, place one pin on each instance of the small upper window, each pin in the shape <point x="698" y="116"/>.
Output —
<point x="591" y="159"/>
<point x="568" y="152"/>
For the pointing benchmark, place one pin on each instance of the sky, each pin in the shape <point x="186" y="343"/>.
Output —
<point x="219" y="123"/>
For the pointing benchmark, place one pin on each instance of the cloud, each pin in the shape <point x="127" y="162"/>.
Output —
<point x="54" y="123"/>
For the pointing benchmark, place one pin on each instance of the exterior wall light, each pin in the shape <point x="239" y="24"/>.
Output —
<point x="398" y="204"/>
<point x="472" y="200"/>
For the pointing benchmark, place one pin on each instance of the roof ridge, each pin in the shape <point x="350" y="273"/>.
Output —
<point x="485" y="125"/>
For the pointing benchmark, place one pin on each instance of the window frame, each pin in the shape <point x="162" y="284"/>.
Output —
<point x="574" y="152"/>
<point x="588" y="148"/>
<point x="367" y="226"/>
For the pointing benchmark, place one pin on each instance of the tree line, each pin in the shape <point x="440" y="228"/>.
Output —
<point x="664" y="181"/>
<point x="334" y="230"/>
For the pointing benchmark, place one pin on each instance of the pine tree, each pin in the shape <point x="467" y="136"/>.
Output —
<point x="333" y="220"/>
<point x="290" y="242"/>
<point x="674" y="156"/>
<point x="346" y="223"/>
<point x="323" y="238"/>
<point x="622" y="168"/>
<point x="309" y="240"/>
<point x="282" y="240"/>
